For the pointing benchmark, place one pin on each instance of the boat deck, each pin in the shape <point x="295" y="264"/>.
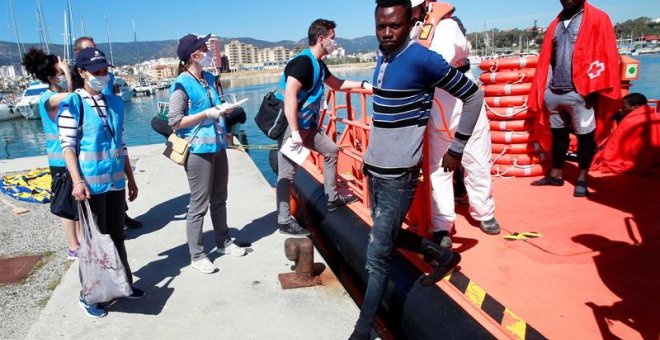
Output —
<point x="594" y="271"/>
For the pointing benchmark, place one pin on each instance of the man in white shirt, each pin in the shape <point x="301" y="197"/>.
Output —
<point x="444" y="34"/>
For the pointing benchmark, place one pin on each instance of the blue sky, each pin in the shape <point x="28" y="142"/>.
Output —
<point x="269" y="20"/>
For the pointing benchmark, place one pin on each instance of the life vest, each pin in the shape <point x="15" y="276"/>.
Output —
<point x="100" y="157"/>
<point x="53" y="146"/>
<point x="309" y="110"/>
<point x="210" y="137"/>
<point x="437" y="11"/>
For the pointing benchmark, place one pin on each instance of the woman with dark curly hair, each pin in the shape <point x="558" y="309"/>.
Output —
<point x="51" y="70"/>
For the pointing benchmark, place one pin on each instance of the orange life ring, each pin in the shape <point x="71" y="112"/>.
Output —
<point x="496" y="90"/>
<point x="511" y="125"/>
<point x="498" y="148"/>
<point x="510" y="137"/>
<point x="506" y="101"/>
<point x="520" y="159"/>
<point x="525" y="75"/>
<point x="509" y="113"/>
<point x="517" y="171"/>
<point x="494" y="65"/>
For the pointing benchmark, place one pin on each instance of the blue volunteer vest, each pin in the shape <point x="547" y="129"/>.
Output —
<point x="110" y="87"/>
<point x="53" y="146"/>
<point x="210" y="137"/>
<point x="309" y="112"/>
<point x="100" y="158"/>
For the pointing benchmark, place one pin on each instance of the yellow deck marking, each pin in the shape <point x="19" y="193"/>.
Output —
<point x="475" y="294"/>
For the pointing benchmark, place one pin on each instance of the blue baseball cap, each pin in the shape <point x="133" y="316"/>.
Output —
<point x="189" y="44"/>
<point x="91" y="59"/>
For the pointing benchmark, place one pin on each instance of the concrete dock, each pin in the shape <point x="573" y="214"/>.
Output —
<point x="241" y="301"/>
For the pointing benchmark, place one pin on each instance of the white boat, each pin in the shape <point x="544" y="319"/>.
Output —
<point x="8" y="112"/>
<point x="122" y="89"/>
<point x="28" y="105"/>
<point x="144" y="88"/>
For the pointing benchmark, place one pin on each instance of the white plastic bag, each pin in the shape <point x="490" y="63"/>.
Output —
<point x="103" y="274"/>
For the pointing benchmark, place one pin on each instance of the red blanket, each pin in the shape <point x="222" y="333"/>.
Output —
<point x="595" y="70"/>
<point x="634" y="147"/>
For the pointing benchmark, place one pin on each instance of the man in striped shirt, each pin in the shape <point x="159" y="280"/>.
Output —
<point x="404" y="82"/>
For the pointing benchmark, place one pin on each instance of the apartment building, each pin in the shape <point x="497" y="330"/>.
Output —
<point x="248" y="57"/>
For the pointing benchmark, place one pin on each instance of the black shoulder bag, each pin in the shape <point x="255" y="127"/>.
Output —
<point x="271" y="119"/>
<point x="62" y="203"/>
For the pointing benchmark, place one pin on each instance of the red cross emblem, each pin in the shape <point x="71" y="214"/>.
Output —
<point x="596" y="69"/>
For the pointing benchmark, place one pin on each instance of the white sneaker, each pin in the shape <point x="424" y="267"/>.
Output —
<point x="231" y="249"/>
<point x="204" y="265"/>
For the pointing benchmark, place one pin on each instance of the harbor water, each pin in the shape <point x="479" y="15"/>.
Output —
<point x="21" y="138"/>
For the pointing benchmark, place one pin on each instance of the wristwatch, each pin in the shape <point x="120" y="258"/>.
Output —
<point x="362" y="83"/>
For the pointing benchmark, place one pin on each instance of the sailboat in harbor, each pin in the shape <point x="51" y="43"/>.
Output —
<point x="141" y="87"/>
<point x="120" y="87"/>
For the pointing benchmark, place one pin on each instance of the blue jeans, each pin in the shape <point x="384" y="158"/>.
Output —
<point x="390" y="201"/>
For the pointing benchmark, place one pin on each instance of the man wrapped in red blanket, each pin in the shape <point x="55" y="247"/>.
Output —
<point x="578" y="71"/>
<point x="634" y="147"/>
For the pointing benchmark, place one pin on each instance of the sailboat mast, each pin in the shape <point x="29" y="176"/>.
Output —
<point x="71" y="28"/>
<point x="67" y="55"/>
<point x="71" y="35"/>
<point x="107" y="29"/>
<point x="82" y="25"/>
<point x="43" y="29"/>
<point x="137" y="52"/>
<point x="18" y="39"/>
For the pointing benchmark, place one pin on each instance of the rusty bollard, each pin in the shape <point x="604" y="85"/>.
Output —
<point x="301" y="252"/>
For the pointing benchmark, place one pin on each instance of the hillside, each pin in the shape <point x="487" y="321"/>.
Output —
<point x="124" y="52"/>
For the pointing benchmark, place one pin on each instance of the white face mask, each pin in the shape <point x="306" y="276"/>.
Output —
<point x="206" y="62"/>
<point x="331" y="47"/>
<point x="62" y="82"/>
<point x="416" y="30"/>
<point x="98" y="83"/>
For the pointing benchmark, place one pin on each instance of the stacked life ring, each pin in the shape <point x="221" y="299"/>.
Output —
<point x="506" y="83"/>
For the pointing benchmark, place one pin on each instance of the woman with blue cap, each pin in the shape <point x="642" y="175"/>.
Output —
<point x="91" y="129"/>
<point x="195" y="116"/>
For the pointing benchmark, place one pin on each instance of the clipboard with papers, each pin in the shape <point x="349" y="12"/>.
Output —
<point x="229" y="106"/>
<point x="297" y="154"/>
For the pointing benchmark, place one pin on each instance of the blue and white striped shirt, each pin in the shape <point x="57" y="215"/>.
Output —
<point x="403" y="96"/>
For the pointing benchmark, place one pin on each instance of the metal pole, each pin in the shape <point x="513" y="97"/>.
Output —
<point x="137" y="52"/>
<point x="107" y="29"/>
<point x="82" y="24"/>
<point x="18" y="39"/>
<point x="44" y="28"/>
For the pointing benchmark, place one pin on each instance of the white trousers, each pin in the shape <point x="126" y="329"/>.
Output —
<point x="476" y="162"/>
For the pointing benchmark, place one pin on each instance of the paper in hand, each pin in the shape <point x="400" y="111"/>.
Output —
<point x="298" y="154"/>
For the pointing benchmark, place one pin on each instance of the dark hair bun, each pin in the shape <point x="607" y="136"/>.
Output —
<point x="39" y="64"/>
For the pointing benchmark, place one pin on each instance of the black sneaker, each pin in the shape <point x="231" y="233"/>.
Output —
<point x="581" y="189"/>
<point x="137" y="294"/>
<point x="341" y="201"/>
<point x="359" y="336"/>
<point x="548" y="180"/>
<point x="132" y="224"/>
<point x="490" y="227"/>
<point x="443" y="239"/>
<point x="440" y="271"/>
<point x="436" y="255"/>
<point x="293" y="228"/>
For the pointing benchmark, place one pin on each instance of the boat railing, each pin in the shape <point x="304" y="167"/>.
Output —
<point x="348" y="124"/>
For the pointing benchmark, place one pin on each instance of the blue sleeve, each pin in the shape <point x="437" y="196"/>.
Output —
<point x="443" y="76"/>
